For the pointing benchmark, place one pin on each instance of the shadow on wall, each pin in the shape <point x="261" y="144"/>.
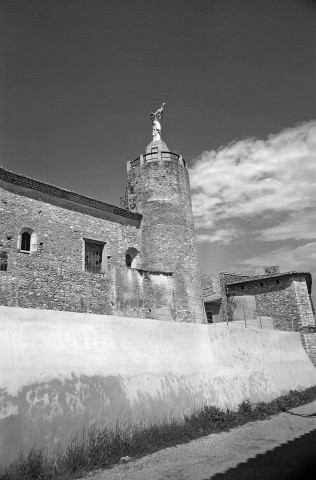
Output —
<point x="60" y="371"/>
<point x="54" y="409"/>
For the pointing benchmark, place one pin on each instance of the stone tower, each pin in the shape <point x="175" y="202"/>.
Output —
<point x="158" y="187"/>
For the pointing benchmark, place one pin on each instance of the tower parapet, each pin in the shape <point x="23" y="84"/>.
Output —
<point x="156" y="151"/>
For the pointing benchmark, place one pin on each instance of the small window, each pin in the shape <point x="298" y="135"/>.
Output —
<point x="27" y="241"/>
<point x="3" y="261"/>
<point x="243" y="288"/>
<point x="154" y="153"/>
<point x="278" y="281"/>
<point x="261" y="283"/>
<point x="93" y="256"/>
<point x="128" y="259"/>
<point x="208" y="311"/>
<point x="131" y="257"/>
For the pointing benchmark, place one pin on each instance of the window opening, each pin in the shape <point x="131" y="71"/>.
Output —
<point x="128" y="260"/>
<point x="3" y="261"/>
<point x="208" y="311"/>
<point x="154" y="153"/>
<point x="131" y="257"/>
<point x="93" y="256"/>
<point x="25" y="242"/>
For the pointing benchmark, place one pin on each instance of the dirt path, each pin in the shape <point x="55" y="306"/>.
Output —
<point x="203" y="458"/>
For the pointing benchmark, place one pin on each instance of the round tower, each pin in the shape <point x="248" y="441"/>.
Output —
<point x="158" y="187"/>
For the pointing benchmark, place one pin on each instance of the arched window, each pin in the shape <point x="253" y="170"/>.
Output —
<point x="27" y="240"/>
<point x="131" y="257"/>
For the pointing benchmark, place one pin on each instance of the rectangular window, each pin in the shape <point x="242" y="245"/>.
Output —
<point x="209" y="312"/>
<point x="3" y="261"/>
<point x="154" y="153"/>
<point x="93" y="256"/>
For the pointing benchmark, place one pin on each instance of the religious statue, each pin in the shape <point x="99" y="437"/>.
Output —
<point x="155" y="117"/>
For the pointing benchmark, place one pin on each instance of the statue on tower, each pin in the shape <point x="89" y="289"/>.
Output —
<point x="155" y="117"/>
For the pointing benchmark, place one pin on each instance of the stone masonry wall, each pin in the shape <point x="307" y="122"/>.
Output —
<point x="54" y="276"/>
<point x="304" y="304"/>
<point x="275" y="300"/>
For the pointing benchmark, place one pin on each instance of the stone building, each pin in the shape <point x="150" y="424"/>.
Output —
<point x="283" y="298"/>
<point x="65" y="251"/>
<point x="61" y="250"/>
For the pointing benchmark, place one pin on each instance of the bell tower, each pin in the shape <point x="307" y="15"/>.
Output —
<point x="158" y="187"/>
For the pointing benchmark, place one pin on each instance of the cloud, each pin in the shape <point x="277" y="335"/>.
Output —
<point x="258" y="189"/>
<point x="300" y="259"/>
<point x="300" y="225"/>
<point x="223" y="235"/>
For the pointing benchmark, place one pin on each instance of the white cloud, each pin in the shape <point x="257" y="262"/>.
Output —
<point x="301" y="258"/>
<point x="259" y="189"/>
<point x="221" y="235"/>
<point x="300" y="225"/>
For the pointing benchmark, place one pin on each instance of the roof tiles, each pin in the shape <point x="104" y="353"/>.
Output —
<point x="26" y="182"/>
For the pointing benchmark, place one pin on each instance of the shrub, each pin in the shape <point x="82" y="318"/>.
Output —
<point x="245" y="408"/>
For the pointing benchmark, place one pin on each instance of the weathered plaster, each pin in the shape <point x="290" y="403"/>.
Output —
<point x="61" y="371"/>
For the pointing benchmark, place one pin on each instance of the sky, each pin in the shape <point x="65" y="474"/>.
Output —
<point x="80" y="77"/>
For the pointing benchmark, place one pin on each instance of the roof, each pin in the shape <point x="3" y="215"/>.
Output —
<point x="263" y="277"/>
<point x="256" y="278"/>
<point x="213" y="297"/>
<point x="29" y="183"/>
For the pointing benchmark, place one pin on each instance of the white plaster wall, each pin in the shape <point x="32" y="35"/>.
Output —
<point x="62" y="370"/>
<point x="244" y="307"/>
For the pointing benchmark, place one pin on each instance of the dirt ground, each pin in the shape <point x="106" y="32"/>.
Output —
<point x="286" y="443"/>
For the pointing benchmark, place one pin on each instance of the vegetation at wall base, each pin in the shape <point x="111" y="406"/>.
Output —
<point x="100" y="447"/>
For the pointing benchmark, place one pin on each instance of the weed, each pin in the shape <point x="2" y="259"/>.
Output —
<point x="245" y="408"/>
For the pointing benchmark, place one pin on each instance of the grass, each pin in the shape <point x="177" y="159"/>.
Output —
<point x="100" y="447"/>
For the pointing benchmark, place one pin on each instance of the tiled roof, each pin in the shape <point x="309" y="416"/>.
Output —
<point x="274" y="275"/>
<point x="213" y="297"/>
<point x="22" y="181"/>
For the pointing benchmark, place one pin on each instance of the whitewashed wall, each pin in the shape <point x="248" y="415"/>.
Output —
<point x="61" y="370"/>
